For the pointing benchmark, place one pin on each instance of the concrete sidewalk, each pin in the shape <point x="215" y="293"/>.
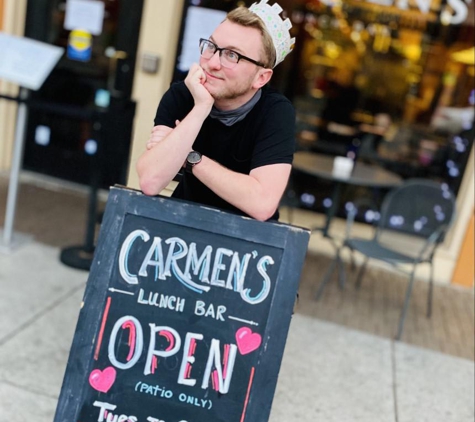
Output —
<point x="329" y="373"/>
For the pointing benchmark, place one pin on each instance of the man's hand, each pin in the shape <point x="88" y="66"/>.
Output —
<point x="167" y="147"/>
<point x="159" y="133"/>
<point x="195" y="81"/>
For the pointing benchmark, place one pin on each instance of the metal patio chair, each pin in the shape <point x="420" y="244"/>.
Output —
<point x="413" y="221"/>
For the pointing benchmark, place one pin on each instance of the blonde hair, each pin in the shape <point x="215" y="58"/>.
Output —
<point x="244" y="17"/>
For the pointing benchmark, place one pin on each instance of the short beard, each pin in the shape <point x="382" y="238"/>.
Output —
<point x="230" y="94"/>
<point x="234" y="92"/>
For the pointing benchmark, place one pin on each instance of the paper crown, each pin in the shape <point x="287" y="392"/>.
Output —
<point x="277" y="28"/>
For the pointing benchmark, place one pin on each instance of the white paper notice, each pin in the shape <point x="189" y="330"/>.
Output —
<point x="200" y="23"/>
<point x="27" y="62"/>
<point x="84" y="14"/>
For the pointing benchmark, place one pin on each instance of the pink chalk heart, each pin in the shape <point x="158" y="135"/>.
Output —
<point x="102" y="380"/>
<point x="247" y="341"/>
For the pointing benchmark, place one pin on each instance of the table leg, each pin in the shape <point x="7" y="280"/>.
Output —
<point x="337" y="263"/>
<point x="336" y="194"/>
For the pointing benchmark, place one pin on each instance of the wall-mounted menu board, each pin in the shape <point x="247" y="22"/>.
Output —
<point x="185" y="315"/>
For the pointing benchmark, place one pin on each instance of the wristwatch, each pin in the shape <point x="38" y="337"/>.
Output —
<point x="194" y="157"/>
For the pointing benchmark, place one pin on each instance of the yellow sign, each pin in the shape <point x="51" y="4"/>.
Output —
<point x="79" y="45"/>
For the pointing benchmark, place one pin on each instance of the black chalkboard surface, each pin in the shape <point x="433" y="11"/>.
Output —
<point x="185" y="315"/>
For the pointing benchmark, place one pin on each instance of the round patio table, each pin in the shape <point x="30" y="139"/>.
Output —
<point x="321" y="166"/>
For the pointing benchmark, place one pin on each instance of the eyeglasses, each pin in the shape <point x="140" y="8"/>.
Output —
<point x="228" y="58"/>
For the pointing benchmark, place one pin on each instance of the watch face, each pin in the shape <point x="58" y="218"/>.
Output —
<point x="194" y="157"/>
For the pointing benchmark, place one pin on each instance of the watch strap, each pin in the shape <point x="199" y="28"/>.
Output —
<point x="192" y="159"/>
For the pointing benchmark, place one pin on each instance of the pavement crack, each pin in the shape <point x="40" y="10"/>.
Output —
<point x="35" y="317"/>
<point x="29" y="390"/>
<point x="394" y="374"/>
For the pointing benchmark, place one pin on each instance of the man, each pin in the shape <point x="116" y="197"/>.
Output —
<point x="240" y="132"/>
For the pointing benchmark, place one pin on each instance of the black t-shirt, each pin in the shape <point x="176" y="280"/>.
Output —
<point x="265" y="136"/>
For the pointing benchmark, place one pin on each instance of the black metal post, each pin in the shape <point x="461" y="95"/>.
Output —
<point x="81" y="256"/>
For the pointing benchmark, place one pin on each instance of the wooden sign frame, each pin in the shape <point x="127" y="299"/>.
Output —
<point x="213" y="349"/>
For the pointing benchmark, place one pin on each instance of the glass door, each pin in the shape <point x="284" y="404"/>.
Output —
<point x="93" y="81"/>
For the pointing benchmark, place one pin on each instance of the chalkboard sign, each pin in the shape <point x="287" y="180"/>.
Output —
<point x="185" y="315"/>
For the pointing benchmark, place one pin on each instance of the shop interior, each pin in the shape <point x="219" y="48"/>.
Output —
<point x="381" y="84"/>
<point x="388" y="83"/>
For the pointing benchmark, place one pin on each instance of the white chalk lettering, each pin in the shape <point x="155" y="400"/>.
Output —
<point x="124" y="255"/>
<point x="172" y="265"/>
<point x="195" y="263"/>
<point x="237" y="272"/>
<point x="219" y="266"/>
<point x="150" y="419"/>
<point x="227" y="270"/>
<point x="171" y="302"/>
<point x="157" y="252"/>
<point x="154" y="390"/>
<point x="172" y="257"/>
<point x="202" y="309"/>
<point x="174" y="341"/>
<point x="262" y="295"/>
<point x="136" y="345"/>
<point x="104" y="407"/>
<point x="195" y="401"/>
<point x="110" y="416"/>
<point x="188" y="359"/>
<point x="214" y="357"/>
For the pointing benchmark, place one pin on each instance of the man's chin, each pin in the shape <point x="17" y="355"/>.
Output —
<point x="211" y="89"/>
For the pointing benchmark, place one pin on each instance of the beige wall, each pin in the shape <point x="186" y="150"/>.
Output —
<point x="159" y="35"/>
<point x="1" y="14"/>
<point x="446" y="257"/>
<point x="13" y="23"/>
<point x="465" y="269"/>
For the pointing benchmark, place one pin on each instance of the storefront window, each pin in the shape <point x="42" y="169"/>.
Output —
<point x="392" y="83"/>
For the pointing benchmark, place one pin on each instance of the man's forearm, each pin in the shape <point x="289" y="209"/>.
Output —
<point x="257" y="195"/>
<point x="157" y="166"/>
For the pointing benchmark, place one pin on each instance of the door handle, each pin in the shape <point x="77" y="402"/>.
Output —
<point x="114" y="57"/>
